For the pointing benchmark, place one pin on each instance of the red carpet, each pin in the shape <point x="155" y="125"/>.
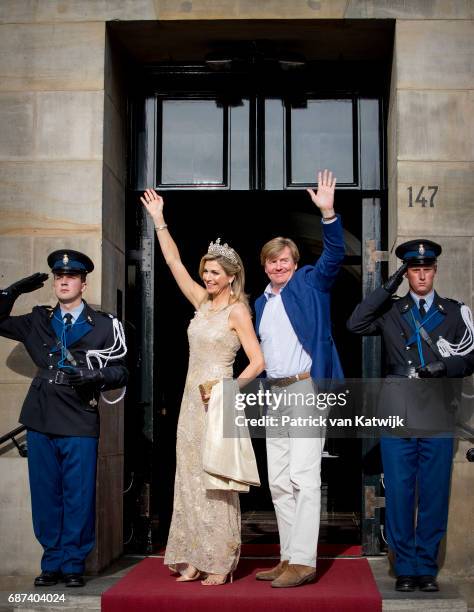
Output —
<point x="342" y="585"/>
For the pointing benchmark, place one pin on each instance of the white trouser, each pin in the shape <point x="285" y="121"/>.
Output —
<point x="294" y="475"/>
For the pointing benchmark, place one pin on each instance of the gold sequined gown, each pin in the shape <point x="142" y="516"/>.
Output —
<point x="205" y="527"/>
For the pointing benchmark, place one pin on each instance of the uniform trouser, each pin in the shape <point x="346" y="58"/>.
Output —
<point x="62" y="471"/>
<point x="294" y="476"/>
<point x="411" y="466"/>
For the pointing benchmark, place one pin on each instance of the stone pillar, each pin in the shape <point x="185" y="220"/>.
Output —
<point x="431" y="146"/>
<point x="52" y="170"/>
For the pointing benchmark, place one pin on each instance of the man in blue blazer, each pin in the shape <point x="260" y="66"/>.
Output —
<point x="294" y="325"/>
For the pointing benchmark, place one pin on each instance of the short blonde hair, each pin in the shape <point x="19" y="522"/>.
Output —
<point x="274" y="247"/>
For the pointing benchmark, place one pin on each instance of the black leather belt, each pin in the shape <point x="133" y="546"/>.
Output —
<point x="56" y="377"/>
<point x="406" y="371"/>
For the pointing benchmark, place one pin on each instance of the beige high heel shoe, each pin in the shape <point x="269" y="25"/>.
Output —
<point x="217" y="579"/>
<point x="189" y="575"/>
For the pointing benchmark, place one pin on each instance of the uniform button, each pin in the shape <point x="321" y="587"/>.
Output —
<point x="50" y="381"/>
<point x="50" y="367"/>
<point x="409" y="363"/>
<point x="407" y="348"/>
<point x="50" y="354"/>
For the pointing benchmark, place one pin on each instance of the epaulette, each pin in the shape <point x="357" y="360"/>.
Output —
<point x="454" y="301"/>
<point x="47" y="308"/>
<point x="106" y="314"/>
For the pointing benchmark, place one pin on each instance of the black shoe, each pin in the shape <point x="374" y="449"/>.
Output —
<point x="428" y="584"/>
<point x="406" y="583"/>
<point x="48" y="579"/>
<point x="74" y="580"/>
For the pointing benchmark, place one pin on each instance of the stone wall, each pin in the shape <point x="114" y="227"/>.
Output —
<point x="431" y="140"/>
<point x="62" y="172"/>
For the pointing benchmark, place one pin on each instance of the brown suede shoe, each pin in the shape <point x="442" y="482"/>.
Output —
<point x="273" y="573"/>
<point x="295" y="575"/>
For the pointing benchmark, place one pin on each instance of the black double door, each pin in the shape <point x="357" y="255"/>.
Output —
<point x="234" y="163"/>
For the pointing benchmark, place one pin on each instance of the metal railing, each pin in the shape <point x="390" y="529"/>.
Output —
<point x="10" y="436"/>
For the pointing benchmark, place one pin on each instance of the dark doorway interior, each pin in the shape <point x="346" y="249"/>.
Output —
<point x="256" y="193"/>
<point x="246" y="220"/>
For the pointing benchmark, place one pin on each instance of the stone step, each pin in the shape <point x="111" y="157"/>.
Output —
<point x="448" y="599"/>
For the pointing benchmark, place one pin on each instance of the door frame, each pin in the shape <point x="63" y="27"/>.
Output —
<point x="142" y="257"/>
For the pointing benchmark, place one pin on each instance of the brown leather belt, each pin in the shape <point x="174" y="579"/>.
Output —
<point x="289" y="380"/>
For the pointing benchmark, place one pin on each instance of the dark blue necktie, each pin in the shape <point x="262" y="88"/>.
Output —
<point x="421" y="308"/>
<point x="68" y="321"/>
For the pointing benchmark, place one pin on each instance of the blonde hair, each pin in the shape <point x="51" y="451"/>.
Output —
<point x="231" y="269"/>
<point x="274" y="247"/>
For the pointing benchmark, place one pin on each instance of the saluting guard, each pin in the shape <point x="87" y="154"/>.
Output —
<point x="425" y="336"/>
<point x="79" y="353"/>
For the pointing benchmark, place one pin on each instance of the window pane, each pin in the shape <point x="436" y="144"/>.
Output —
<point x="240" y="145"/>
<point x="369" y="144"/>
<point x="321" y="137"/>
<point x="193" y="142"/>
<point x="274" y="144"/>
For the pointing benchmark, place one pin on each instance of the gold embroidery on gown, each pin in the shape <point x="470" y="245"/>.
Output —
<point x="205" y="527"/>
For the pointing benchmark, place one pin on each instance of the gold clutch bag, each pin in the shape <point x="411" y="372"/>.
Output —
<point x="205" y="389"/>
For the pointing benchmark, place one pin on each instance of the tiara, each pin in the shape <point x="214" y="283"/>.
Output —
<point x="223" y="250"/>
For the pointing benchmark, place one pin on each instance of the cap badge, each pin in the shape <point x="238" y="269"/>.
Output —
<point x="421" y="250"/>
<point x="65" y="259"/>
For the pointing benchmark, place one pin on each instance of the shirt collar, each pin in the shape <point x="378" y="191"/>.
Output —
<point x="75" y="312"/>
<point x="268" y="293"/>
<point x="428" y="299"/>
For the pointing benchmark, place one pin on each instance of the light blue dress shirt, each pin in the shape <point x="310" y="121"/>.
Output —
<point x="283" y="353"/>
<point x="75" y="312"/>
<point x="428" y="299"/>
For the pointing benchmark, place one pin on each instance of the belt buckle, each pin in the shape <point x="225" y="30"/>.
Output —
<point x="59" y="378"/>
<point x="412" y="373"/>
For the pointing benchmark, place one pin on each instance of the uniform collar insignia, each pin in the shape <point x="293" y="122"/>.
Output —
<point x="404" y="303"/>
<point x="88" y="313"/>
<point x="437" y="302"/>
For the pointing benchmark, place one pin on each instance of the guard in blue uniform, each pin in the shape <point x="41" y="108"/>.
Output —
<point x="61" y="409"/>
<point x="424" y="337"/>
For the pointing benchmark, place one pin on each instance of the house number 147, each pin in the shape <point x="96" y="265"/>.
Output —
<point x="431" y="191"/>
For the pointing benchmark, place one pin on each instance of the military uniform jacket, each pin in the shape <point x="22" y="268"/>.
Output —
<point x="392" y="318"/>
<point x="60" y="409"/>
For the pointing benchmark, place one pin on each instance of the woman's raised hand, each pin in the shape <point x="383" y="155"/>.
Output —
<point x="153" y="203"/>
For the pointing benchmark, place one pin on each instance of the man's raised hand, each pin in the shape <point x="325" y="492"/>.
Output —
<point x="28" y="284"/>
<point x="324" y="196"/>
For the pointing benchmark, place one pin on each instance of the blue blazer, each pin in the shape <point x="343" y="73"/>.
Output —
<point x="306" y="299"/>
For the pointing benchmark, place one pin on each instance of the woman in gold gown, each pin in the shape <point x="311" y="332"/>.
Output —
<point x="204" y="537"/>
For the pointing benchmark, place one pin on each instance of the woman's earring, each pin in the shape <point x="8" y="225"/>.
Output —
<point x="230" y="286"/>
